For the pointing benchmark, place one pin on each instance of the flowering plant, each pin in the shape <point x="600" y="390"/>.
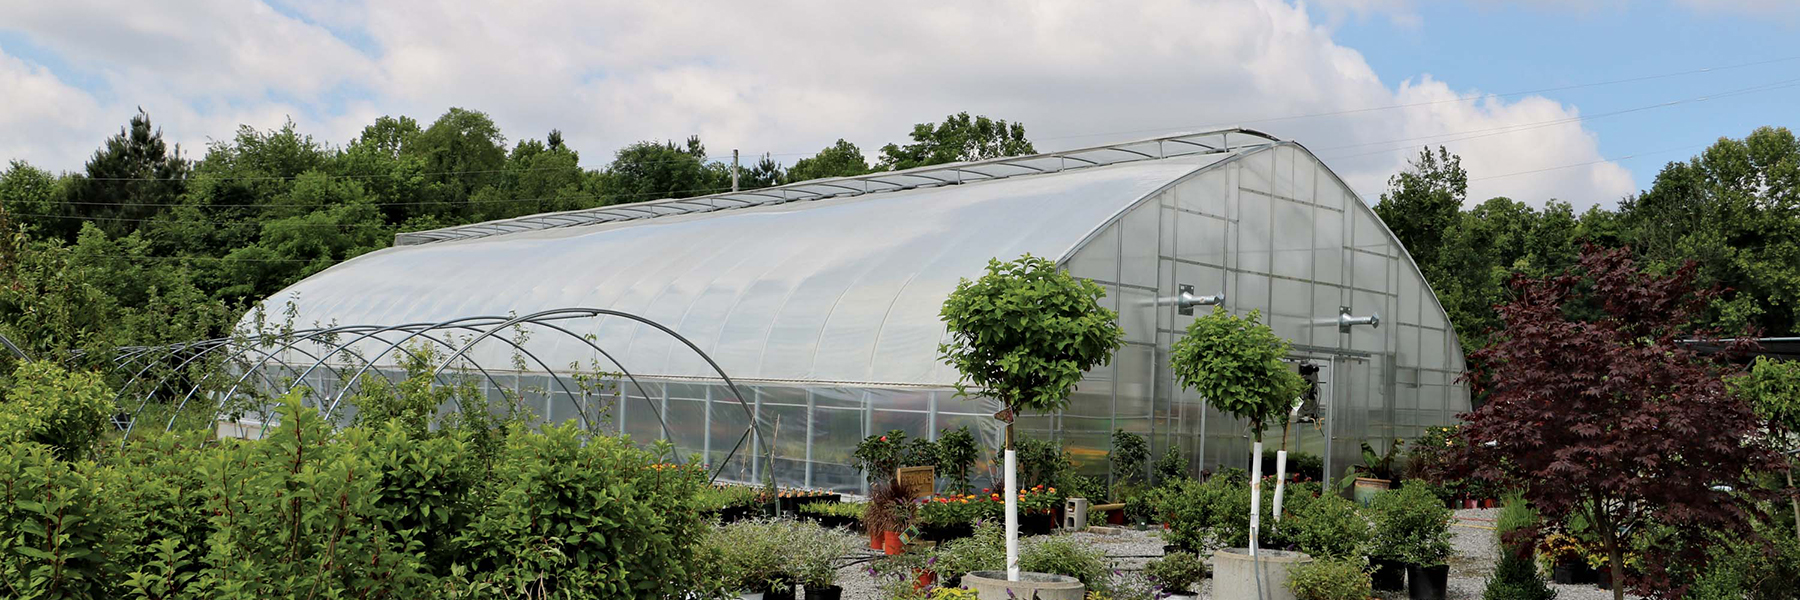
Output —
<point x="1038" y="499"/>
<point x="957" y="509"/>
<point x="879" y="455"/>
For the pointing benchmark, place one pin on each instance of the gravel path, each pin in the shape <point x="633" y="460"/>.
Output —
<point x="1472" y="537"/>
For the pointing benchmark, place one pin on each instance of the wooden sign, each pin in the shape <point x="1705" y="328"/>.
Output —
<point x="1005" y="416"/>
<point x="919" y="482"/>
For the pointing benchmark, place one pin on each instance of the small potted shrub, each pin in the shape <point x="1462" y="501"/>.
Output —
<point x="814" y="553"/>
<point x="1329" y="579"/>
<point x="1411" y="524"/>
<point x="1178" y="574"/>
<point x="878" y="514"/>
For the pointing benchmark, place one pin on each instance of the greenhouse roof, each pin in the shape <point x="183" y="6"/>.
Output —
<point x="1187" y="144"/>
<point x="836" y="280"/>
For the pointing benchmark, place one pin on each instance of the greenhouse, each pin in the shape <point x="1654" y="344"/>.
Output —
<point x="819" y="301"/>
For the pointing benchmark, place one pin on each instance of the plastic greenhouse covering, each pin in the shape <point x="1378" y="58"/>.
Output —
<point x="820" y="300"/>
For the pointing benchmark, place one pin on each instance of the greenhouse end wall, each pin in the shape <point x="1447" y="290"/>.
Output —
<point x="1277" y="233"/>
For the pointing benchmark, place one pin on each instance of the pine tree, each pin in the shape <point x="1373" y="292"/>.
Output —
<point x="131" y="179"/>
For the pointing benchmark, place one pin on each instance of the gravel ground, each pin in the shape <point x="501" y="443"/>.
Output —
<point x="1473" y="539"/>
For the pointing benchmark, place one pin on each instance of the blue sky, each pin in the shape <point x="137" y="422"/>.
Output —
<point x="1512" y="47"/>
<point x="788" y="77"/>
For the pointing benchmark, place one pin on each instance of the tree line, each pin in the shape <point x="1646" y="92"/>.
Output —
<point x="1733" y="210"/>
<point x="144" y="245"/>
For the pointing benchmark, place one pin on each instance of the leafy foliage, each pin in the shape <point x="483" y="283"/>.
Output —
<point x="1235" y="364"/>
<point x="1613" y="417"/>
<point x="1330" y="579"/>
<point x="1411" y="526"/>
<point x="49" y="405"/>
<point x="1130" y="455"/>
<point x="959" y="138"/>
<point x="956" y="454"/>
<point x="1177" y="572"/>
<point x="1026" y="332"/>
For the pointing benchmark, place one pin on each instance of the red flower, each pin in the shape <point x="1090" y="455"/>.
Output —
<point x="884" y="438"/>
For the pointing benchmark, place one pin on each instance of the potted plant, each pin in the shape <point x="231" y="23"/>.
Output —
<point x="1376" y="474"/>
<point x="901" y="515"/>
<point x="1236" y="364"/>
<point x="1177" y="574"/>
<point x="1024" y="335"/>
<point x="814" y="554"/>
<point x="1411" y="524"/>
<point x="1330" y="579"/>
<point x="878" y="514"/>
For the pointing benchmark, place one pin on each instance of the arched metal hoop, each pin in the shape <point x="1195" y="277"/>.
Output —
<point x="259" y="353"/>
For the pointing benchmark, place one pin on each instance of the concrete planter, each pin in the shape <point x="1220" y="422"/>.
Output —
<point x="1235" y="575"/>
<point x="992" y="585"/>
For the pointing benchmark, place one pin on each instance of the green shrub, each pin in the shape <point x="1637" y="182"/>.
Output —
<point x="985" y="550"/>
<point x="751" y="554"/>
<point x="1040" y="462"/>
<point x="58" y="531"/>
<point x="1516" y="578"/>
<point x="67" y="411"/>
<point x="1064" y="555"/>
<point x="1177" y="572"/>
<point x="428" y="485"/>
<point x="1411" y="526"/>
<point x="1129" y="456"/>
<point x="586" y="517"/>
<point x="1330" y="579"/>
<point x="300" y="512"/>
<point x="1515" y="514"/>
<point x="1171" y="466"/>
<point x="1327" y="526"/>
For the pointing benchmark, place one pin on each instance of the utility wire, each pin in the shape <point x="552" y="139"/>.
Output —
<point x="1466" y="98"/>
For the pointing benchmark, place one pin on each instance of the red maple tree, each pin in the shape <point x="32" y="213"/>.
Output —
<point x="1599" y="404"/>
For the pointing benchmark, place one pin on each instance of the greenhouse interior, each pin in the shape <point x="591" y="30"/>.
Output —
<point x="769" y="331"/>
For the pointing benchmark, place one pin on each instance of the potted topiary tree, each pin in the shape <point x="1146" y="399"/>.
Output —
<point x="1236" y="365"/>
<point x="1024" y="334"/>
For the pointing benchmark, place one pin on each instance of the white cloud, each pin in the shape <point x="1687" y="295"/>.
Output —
<point x="46" y="121"/>
<point x="790" y="79"/>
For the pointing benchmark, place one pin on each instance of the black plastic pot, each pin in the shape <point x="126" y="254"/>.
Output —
<point x="1036" y="524"/>
<point x="1603" y="578"/>
<point x="1564" y="573"/>
<point x="1389" y="575"/>
<point x="1427" y="583"/>
<point x="831" y="592"/>
<point x="945" y="533"/>
<point x="1585" y="573"/>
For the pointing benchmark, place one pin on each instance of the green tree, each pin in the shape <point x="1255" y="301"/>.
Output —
<point x="36" y="200"/>
<point x="1422" y="204"/>
<point x="133" y="177"/>
<point x="842" y="159"/>
<point x="1024" y="334"/>
<point x="1773" y="388"/>
<point x="652" y="171"/>
<point x="1236" y="365"/>
<point x="463" y="151"/>
<point x="959" y="138"/>
<point x="1731" y="209"/>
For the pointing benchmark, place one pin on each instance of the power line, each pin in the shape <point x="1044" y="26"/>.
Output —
<point x="1443" y="101"/>
<point x="1480" y="133"/>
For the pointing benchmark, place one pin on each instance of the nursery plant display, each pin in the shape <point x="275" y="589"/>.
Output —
<point x="1236" y="365"/>
<point x="1412" y="527"/>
